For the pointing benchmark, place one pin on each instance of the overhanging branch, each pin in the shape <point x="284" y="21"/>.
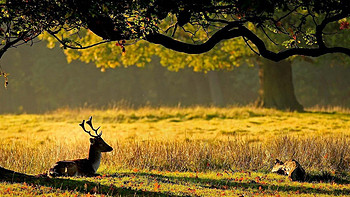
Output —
<point x="65" y="45"/>
<point x="327" y="20"/>
<point x="241" y="31"/>
<point x="312" y="52"/>
<point x="10" y="44"/>
<point x="231" y="30"/>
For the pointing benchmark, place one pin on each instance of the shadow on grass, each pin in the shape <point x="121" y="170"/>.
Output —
<point x="84" y="186"/>
<point x="326" y="177"/>
<point x="230" y="183"/>
<point x="81" y="186"/>
<point x="326" y="113"/>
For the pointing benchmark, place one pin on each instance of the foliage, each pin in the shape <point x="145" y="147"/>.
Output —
<point x="16" y="29"/>
<point x="2" y="73"/>
<point x="278" y="32"/>
<point x="196" y="27"/>
<point x="226" y="56"/>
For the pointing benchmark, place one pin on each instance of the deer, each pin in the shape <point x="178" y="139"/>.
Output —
<point x="87" y="166"/>
<point x="291" y="168"/>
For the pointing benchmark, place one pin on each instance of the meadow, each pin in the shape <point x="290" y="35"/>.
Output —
<point x="194" y="151"/>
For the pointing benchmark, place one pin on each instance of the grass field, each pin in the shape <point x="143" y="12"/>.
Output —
<point x="181" y="151"/>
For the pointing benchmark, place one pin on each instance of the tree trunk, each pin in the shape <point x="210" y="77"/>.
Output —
<point x="201" y="89"/>
<point x="276" y="86"/>
<point x="215" y="88"/>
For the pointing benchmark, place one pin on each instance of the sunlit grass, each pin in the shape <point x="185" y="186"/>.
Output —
<point x="181" y="142"/>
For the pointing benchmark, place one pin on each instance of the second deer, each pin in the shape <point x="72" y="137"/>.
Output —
<point x="291" y="168"/>
<point x="83" y="167"/>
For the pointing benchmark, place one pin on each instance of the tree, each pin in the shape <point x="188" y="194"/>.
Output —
<point x="221" y="20"/>
<point x="273" y="29"/>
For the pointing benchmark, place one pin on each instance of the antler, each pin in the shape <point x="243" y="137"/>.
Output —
<point x="89" y="122"/>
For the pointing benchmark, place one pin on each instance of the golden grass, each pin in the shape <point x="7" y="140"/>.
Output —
<point x="179" y="139"/>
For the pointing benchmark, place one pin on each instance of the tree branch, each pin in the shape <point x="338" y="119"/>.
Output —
<point x="320" y="27"/>
<point x="73" y="47"/>
<point x="10" y="44"/>
<point x="313" y="52"/>
<point x="240" y="31"/>
<point x="229" y="31"/>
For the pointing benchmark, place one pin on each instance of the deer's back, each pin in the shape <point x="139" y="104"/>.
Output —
<point x="294" y="170"/>
<point x="79" y="167"/>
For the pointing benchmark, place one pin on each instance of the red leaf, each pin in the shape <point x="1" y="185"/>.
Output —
<point x="344" y="25"/>
<point x="156" y="186"/>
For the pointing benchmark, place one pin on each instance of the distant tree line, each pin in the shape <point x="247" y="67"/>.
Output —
<point x="40" y="80"/>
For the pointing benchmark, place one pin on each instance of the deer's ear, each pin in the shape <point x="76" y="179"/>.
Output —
<point x="92" y="140"/>
<point x="278" y="161"/>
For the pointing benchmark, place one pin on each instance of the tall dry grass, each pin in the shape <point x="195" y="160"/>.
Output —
<point x="314" y="153"/>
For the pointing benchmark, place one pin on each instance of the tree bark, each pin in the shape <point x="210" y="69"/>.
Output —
<point x="276" y="86"/>
<point x="201" y="90"/>
<point x="215" y="88"/>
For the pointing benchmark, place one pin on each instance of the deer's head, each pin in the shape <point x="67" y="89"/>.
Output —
<point x="96" y="142"/>
<point x="278" y="167"/>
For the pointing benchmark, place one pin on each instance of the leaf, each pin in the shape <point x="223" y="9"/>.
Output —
<point x="344" y="25"/>
<point x="5" y="77"/>
<point x="156" y="186"/>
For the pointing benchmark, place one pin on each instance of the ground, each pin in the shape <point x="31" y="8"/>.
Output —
<point x="192" y="151"/>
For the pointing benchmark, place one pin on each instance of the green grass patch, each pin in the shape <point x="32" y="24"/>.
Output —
<point x="164" y="183"/>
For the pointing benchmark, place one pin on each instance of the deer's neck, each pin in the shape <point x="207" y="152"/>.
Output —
<point x="94" y="158"/>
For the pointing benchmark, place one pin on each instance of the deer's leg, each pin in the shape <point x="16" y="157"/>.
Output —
<point x="64" y="168"/>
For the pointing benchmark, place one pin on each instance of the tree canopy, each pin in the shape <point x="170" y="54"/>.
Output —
<point x="273" y="29"/>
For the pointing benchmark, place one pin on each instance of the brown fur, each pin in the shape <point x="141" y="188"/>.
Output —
<point x="291" y="168"/>
<point x="79" y="167"/>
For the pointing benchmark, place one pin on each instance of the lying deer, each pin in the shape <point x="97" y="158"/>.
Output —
<point x="83" y="167"/>
<point x="291" y="168"/>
